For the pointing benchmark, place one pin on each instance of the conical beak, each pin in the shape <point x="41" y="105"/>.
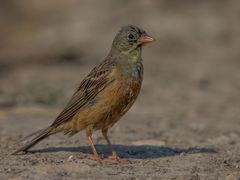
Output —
<point x="145" y="39"/>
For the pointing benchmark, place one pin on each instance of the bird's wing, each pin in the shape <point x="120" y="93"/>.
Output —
<point x="94" y="83"/>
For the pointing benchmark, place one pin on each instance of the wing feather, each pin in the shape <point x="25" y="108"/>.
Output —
<point x="94" y="83"/>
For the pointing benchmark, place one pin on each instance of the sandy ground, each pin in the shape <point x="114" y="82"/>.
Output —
<point x="185" y="123"/>
<point x="178" y="129"/>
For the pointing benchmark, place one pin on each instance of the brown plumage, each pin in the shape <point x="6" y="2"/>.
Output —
<point x="106" y="94"/>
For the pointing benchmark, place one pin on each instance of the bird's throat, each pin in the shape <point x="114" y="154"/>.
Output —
<point x="129" y="63"/>
<point x="127" y="57"/>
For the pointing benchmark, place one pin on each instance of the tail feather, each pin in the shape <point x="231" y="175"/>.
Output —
<point x="42" y="135"/>
<point x="29" y="136"/>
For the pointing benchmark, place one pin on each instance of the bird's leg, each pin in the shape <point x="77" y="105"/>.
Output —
<point x="90" y="140"/>
<point x="114" y="155"/>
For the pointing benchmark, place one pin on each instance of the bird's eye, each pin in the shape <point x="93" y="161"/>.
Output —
<point x="130" y="36"/>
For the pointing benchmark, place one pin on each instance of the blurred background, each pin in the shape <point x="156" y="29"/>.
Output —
<point x="190" y="95"/>
<point x="191" y="70"/>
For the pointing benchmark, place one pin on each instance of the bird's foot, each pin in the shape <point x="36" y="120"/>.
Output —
<point x="116" y="158"/>
<point x="95" y="158"/>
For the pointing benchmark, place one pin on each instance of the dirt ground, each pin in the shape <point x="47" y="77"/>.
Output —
<point x="185" y="123"/>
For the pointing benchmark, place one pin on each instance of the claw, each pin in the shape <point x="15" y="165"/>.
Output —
<point x="115" y="157"/>
<point x="95" y="158"/>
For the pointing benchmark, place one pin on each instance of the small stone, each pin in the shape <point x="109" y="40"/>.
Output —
<point x="182" y="154"/>
<point x="70" y="158"/>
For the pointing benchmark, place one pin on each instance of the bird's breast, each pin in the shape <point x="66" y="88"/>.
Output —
<point x="124" y="88"/>
<point x="119" y="96"/>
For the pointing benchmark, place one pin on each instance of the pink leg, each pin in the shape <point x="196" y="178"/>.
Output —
<point x="95" y="154"/>
<point x="114" y="155"/>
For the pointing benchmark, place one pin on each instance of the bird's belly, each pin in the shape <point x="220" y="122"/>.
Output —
<point x="108" y="106"/>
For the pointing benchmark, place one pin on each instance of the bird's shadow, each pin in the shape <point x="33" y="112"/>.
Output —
<point x="132" y="151"/>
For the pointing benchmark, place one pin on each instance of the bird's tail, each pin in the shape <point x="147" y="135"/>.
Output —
<point x="40" y="135"/>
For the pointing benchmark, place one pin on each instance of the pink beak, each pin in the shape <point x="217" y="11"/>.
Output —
<point x="145" y="39"/>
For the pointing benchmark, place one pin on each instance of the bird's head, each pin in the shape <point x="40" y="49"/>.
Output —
<point x="130" y="38"/>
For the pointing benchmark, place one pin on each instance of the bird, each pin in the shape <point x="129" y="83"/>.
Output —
<point x="104" y="95"/>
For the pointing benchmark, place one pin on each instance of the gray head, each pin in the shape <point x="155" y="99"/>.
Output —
<point x="130" y="38"/>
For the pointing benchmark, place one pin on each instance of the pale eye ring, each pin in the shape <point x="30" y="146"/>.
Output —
<point x="130" y="36"/>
